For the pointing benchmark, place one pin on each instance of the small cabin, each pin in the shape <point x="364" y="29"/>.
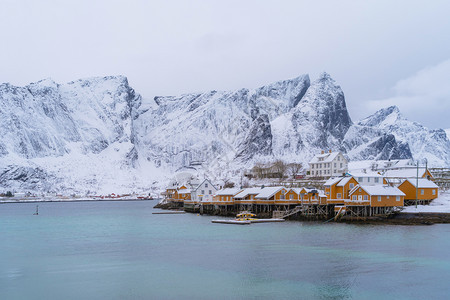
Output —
<point x="423" y="188"/>
<point x="377" y="196"/>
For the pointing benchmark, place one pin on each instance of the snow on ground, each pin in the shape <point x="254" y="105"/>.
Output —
<point x="438" y="205"/>
<point x="447" y="131"/>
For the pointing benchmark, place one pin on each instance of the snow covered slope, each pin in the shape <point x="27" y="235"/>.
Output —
<point x="98" y="135"/>
<point x="77" y="136"/>
<point x="432" y="144"/>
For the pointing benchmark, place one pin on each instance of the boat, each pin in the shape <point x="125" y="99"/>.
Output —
<point x="246" y="218"/>
<point x="37" y="211"/>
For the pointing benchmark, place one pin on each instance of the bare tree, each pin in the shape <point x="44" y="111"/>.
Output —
<point x="258" y="170"/>
<point x="228" y="184"/>
<point x="294" y="169"/>
<point x="279" y="168"/>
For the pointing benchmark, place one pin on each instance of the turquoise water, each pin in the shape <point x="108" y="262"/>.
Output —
<point x="119" y="250"/>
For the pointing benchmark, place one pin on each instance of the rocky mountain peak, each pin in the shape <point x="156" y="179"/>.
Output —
<point x="383" y="117"/>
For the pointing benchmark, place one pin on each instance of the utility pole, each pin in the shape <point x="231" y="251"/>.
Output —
<point x="417" y="183"/>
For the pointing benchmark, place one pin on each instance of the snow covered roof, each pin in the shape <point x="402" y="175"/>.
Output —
<point x="379" y="190"/>
<point x="325" y="157"/>
<point x="344" y="181"/>
<point x="248" y="191"/>
<point x="207" y="180"/>
<point x="298" y="190"/>
<point x="322" y="194"/>
<point x="228" y="191"/>
<point x="332" y="181"/>
<point x="365" y="174"/>
<point x="268" y="192"/>
<point x="423" y="183"/>
<point x="405" y="173"/>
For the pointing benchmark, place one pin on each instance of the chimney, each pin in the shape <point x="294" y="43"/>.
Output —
<point x="323" y="152"/>
<point x="329" y="151"/>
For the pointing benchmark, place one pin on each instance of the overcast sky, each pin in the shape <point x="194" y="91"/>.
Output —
<point x="381" y="52"/>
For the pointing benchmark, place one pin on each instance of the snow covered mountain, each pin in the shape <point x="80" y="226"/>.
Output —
<point x="74" y="136"/>
<point x="97" y="134"/>
<point x="430" y="144"/>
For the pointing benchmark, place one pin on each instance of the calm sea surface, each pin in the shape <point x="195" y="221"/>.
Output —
<point x="119" y="250"/>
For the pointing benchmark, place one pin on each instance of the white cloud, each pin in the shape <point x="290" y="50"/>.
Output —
<point x="422" y="97"/>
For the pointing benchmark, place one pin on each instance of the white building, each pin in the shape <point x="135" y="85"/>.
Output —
<point x="367" y="178"/>
<point x="328" y="164"/>
<point x="203" y="192"/>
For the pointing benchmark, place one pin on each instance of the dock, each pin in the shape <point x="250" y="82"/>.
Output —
<point x="175" y="212"/>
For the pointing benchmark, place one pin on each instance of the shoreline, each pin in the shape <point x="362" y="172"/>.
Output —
<point x="70" y="200"/>
<point x="400" y="218"/>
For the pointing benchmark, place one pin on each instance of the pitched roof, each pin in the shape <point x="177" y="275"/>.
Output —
<point x="228" y="191"/>
<point x="344" y="181"/>
<point x="405" y="173"/>
<point x="268" y="192"/>
<point x="423" y="183"/>
<point x="196" y="187"/>
<point x="379" y="190"/>
<point x="326" y="157"/>
<point x="332" y="181"/>
<point x="365" y="174"/>
<point x="297" y="190"/>
<point x="248" y="191"/>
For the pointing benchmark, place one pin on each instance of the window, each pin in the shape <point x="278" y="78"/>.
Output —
<point x="335" y="165"/>
<point x="368" y="179"/>
<point x="352" y="185"/>
<point x="221" y="198"/>
<point x="206" y="185"/>
<point x="422" y="191"/>
<point x="366" y="197"/>
<point x="434" y="192"/>
<point x="291" y="196"/>
<point x="341" y="165"/>
<point x="282" y="197"/>
<point x="398" y="198"/>
<point x="354" y="197"/>
<point x="210" y="192"/>
<point x="387" y="197"/>
<point x="203" y="192"/>
<point x="360" y="179"/>
<point x="377" y="179"/>
<point x="379" y="198"/>
<point x="339" y="196"/>
<point x="339" y="158"/>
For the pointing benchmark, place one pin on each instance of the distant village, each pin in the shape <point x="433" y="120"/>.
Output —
<point x="328" y="189"/>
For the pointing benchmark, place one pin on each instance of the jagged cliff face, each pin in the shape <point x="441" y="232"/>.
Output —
<point x="424" y="143"/>
<point x="53" y="133"/>
<point x="97" y="134"/>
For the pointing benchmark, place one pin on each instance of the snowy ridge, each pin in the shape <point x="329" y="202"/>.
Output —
<point x="424" y="143"/>
<point x="97" y="135"/>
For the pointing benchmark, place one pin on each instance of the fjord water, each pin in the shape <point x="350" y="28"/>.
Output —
<point x="119" y="250"/>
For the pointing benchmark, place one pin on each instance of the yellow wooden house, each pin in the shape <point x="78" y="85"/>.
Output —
<point x="376" y="196"/>
<point x="425" y="189"/>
